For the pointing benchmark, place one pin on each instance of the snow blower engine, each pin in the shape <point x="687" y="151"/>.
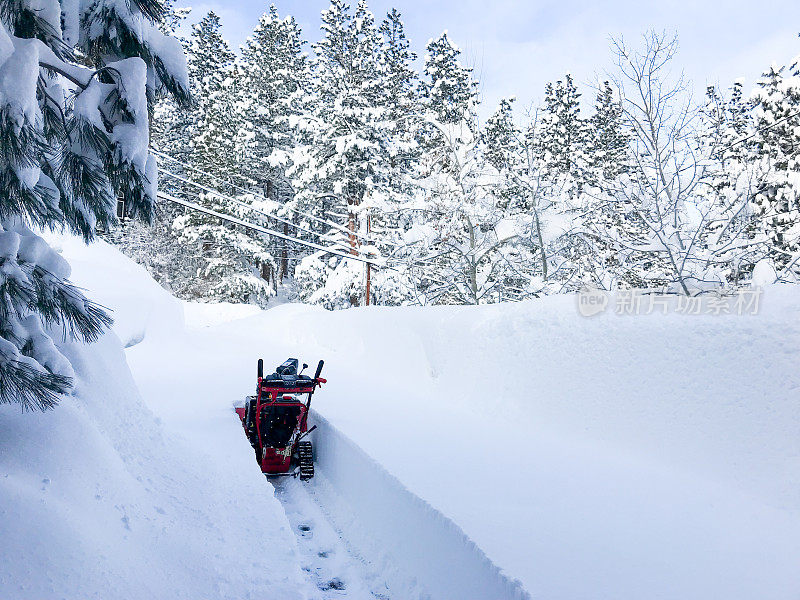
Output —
<point x="275" y="420"/>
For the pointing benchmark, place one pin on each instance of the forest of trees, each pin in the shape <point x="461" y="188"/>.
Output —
<point x="347" y="144"/>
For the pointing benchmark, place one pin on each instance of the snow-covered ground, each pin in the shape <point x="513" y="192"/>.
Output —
<point x="98" y="499"/>
<point x="612" y="457"/>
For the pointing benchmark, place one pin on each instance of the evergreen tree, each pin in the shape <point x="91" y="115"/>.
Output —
<point x="730" y="236"/>
<point x="450" y="92"/>
<point x="274" y="77"/>
<point x="275" y="80"/>
<point x="562" y="135"/>
<point x="234" y="264"/>
<point x="64" y="159"/>
<point x="608" y="138"/>
<point x="340" y="168"/>
<point x="777" y="139"/>
<point x="173" y="124"/>
<point x="211" y="66"/>
<point x="400" y="83"/>
<point x="157" y="246"/>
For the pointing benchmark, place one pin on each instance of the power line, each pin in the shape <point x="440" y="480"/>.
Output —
<point x="767" y="128"/>
<point x="237" y="201"/>
<point x="258" y="195"/>
<point x="260" y="229"/>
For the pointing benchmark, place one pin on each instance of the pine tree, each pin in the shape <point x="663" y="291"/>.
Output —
<point x="730" y="239"/>
<point x="562" y="139"/>
<point x="274" y="76"/>
<point x="339" y="169"/>
<point x="211" y="66"/>
<point x="174" y="124"/>
<point x="156" y="246"/>
<point x="608" y="138"/>
<point x="64" y="159"/>
<point x="450" y="91"/>
<point x="777" y="121"/>
<point x="234" y="264"/>
<point x="274" y="79"/>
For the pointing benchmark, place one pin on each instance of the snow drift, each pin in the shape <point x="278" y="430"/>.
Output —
<point x="415" y="547"/>
<point x="614" y="457"/>
<point x="99" y="500"/>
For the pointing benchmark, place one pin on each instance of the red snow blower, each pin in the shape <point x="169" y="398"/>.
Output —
<point x="275" y="420"/>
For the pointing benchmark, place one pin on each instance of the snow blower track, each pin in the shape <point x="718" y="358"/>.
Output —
<point x="334" y="569"/>
<point x="362" y="534"/>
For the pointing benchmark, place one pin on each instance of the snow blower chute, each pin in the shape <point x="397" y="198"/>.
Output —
<point x="275" y="420"/>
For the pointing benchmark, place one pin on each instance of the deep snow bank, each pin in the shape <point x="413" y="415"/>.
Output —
<point x="99" y="500"/>
<point x="189" y="377"/>
<point x="418" y="551"/>
<point x="613" y="457"/>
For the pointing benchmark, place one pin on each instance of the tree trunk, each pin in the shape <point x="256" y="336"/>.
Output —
<point x="266" y="272"/>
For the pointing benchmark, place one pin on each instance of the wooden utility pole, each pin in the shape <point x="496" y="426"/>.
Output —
<point x="369" y="269"/>
<point x="351" y="225"/>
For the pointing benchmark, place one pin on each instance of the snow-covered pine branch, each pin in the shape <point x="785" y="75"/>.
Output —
<point x="73" y="137"/>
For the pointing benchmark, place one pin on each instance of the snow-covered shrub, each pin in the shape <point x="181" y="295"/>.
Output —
<point x="333" y="283"/>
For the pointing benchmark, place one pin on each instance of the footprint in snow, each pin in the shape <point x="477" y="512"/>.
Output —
<point x="333" y="584"/>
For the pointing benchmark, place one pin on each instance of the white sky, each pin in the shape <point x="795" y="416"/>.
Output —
<point x="517" y="46"/>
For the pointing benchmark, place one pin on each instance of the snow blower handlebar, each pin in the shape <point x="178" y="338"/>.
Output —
<point x="317" y="381"/>
<point x="319" y="369"/>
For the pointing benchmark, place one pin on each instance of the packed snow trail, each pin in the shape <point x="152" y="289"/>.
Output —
<point x="332" y="566"/>
<point x="363" y="535"/>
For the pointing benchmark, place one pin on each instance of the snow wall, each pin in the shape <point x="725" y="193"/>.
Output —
<point x="417" y="539"/>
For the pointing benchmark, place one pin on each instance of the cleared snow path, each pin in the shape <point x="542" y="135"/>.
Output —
<point x="325" y="555"/>
<point x="361" y="534"/>
<point x="417" y="551"/>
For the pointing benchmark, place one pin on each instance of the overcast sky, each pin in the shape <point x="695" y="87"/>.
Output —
<point x="516" y="46"/>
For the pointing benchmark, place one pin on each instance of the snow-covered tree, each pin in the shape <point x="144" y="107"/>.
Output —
<point x="777" y="121"/>
<point x="608" y="138"/>
<point x="450" y="91"/>
<point x="468" y="251"/>
<point x="173" y="124"/>
<point x="156" y="246"/>
<point x="75" y="81"/>
<point x="234" y="264"/>
<point x="522" y="194"/>
<point x="274" y="77"/>
<point x="657" y="239"/>
<point x="561" y="133"/>
<point x="341" y="167"/>
<point x="211" y="66"/>
<point x="401" y="120"/>
<point x="730" y="236"/>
